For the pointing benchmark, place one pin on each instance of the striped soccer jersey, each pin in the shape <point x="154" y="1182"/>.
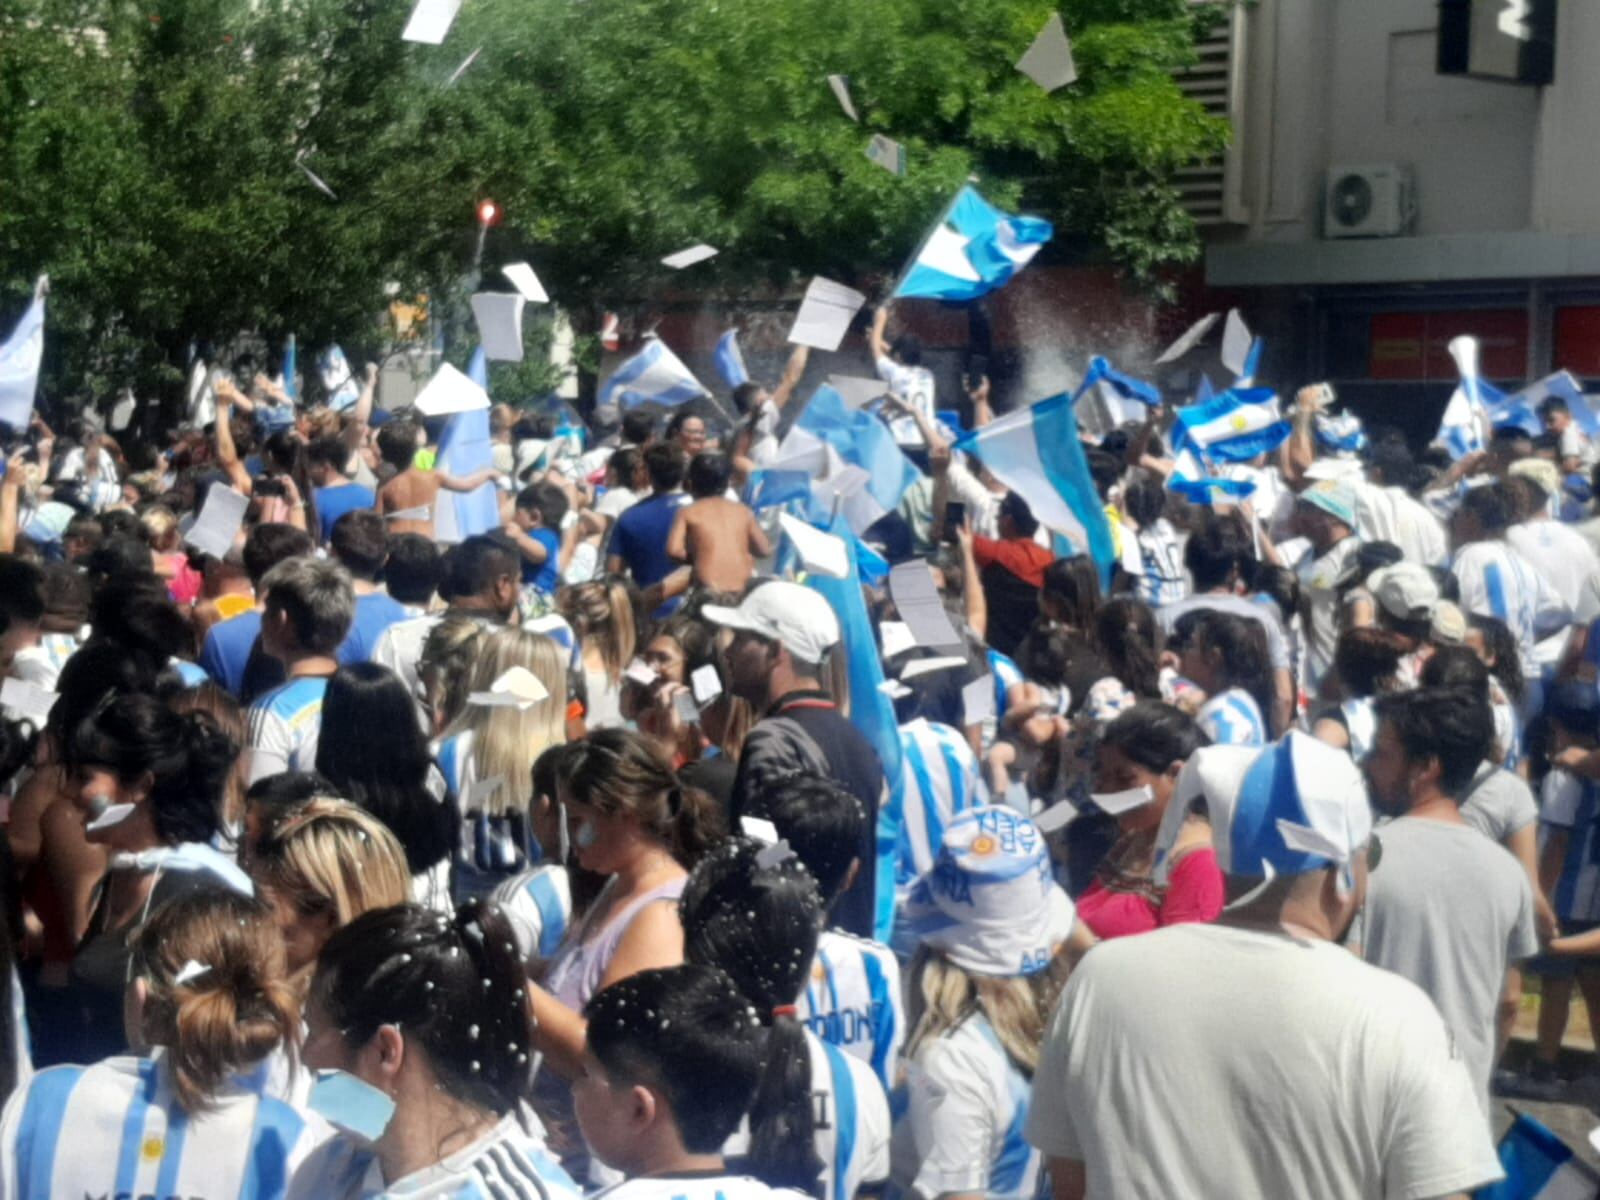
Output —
<point x="539" y="905"/>
<point x="283" y="727"/>
<point x="942" y="780"/>
<point x="1232" y="718"/>
<point x="116" y="1129"/>
<point x="852" y="1001"/>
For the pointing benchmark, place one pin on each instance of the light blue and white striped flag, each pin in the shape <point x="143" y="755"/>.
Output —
<point x="973" y="250"/>
<point x="338" y="380"/>
<point x="1122" y="397"/>
<point x="465" y="446"/>
<point x="1539" y="1166"/>
<point x="1562" y="386"/>
<point x="20" y="356"/>
<point x="655" y="375"/>
<point x="1192" y="478"/>
<point x="291" y="367"/>
<point x="1036" y="453"/>
<point x="1341" y="434"/>
<point x="1234" y="426"/>
<point x="1515" y="410"/>
<point x="1252" y="364"/>
<point x="730" y="361"/>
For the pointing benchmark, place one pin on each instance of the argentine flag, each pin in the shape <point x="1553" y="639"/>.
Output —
<point x="338" y="380"/>
<point x="655" y="375"/>
<point x="730" y="361"/>
<point x="1341" y="434"/>
<point x="1121" y="397"/>
<point x="1562" y="386"/>
<point x="20" y="356"/>
<point x="1234" y="426"/>
<point x="290" y="368"/>
<point x="1510" y="410"/>
<point x="973" y="250"/>
<point x="1036" y="453"/>
<point x="465" y="446"/>
<point x="1192" y="478"/>
<point x="1539" y="1166"/>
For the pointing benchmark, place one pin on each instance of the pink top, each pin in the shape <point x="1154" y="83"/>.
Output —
<point x="1194" y="894"/>
<point x="185" y="584"/>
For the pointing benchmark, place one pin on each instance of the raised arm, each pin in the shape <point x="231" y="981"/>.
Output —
<point x="875" y="337"/>
<point x="792" y="371"/>
<point x="10" y="497"/>
<point x="227" y="453"/>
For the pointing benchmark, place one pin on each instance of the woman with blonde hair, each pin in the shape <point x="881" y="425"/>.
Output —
<point x="320" y="865"/>
<point x="601" y="614"/>
<point x="487" y="753"/>
<point x="209" y="999"/>
<point x="980" y="990"/>
<point x="445" y="668"/>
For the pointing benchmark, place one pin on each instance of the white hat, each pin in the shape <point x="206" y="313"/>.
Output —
<point x="1294" y="807"/>
<point x="788" y="613"/>
<point x="1406" y="591"/>
<point x="989" y="903"/>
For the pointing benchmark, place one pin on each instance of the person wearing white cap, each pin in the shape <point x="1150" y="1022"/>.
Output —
<point x="991" y="920"/>
<point x="1255" y="1057"/>
<point x="1452" y="912"/>
<point x="782" y="633"/>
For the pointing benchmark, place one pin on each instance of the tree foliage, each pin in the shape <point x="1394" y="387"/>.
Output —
<point x="148" y="152"/>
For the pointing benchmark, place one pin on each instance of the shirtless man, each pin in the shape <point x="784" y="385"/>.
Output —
<point x="413" y="487"/>
<point x="719" y="538"/>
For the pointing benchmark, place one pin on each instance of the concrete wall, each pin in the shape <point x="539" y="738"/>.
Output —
<point x="1566" y="194"/>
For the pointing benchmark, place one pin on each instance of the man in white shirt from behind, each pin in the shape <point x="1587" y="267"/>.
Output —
<point x="1558" y="552"/>
<point x="1256" y="1058"/>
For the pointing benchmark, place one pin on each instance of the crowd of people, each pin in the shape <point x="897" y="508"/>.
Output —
<point x="561" y="857"/>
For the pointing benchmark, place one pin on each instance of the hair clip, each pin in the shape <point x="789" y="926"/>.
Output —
<point x="189" y="972"/>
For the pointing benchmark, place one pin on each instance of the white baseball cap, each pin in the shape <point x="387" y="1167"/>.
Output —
<point x="1406" y="591"/>
<point x="788" y="613"/>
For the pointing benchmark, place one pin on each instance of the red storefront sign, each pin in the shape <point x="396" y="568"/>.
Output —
<point x="1416" y="346"/>
<point x="1577" y="340"/>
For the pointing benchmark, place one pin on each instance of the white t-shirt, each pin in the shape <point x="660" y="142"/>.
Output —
<point x="915" y="387"/>
<point x="962" y="1130"/>
<point x="1204" y="1060"/>
<point x="617" y="501"/>
<point x="1320" y="580"/>
<point x="1568" y="564"/>
<point x="1391" y="514"/>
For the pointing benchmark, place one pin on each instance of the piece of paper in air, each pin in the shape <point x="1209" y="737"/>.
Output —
<point x="688" y="711"/>
<point x="707" y="684"/>
<point x="499" y="318"/>
<point x="977" y="701"/>
<point x="897" y="638"/>
<point x="431" y="20"/>
<point x="825" y="314"/>
<point x="449" y="391"/>
<point x="917" y="599"/>
<point x="1058" y="816"/>
<point x="462" y="69"/>
<point x="219" y="520"/>
<point x="316" y="180"/>
<point x="688" y="258"/>
<point x="927" y="666"/>
<point x="841" y="93"/>
<point x="1235" y="343"/>
<point x="26" y="700"/>
<point x="480" y="790"/>
<point x="1191" y="338"/>
<point x="420" y="513"/>
<point x="887" y="153"/>
<point x="821" y="553"/>
<point x="640" y="672"/>
<point x="1048" y="61"/>
<point x="122" y="412"/>
<point x="857" y="392"/>
<point x="525" y="281"/>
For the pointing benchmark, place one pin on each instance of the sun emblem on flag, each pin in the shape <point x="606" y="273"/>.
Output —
<point x="152" y="1148"/>
<point x="1239" y="423"/>
<point x="983" y="846"/>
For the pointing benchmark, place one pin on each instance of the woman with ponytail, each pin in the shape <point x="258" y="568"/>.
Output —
<point x="1130" y="642"/>
<point x="820" y="1120"/>
<point x="207" y="996"/>
<point x="425" y="1019"/>
<point x="149" y="785"/>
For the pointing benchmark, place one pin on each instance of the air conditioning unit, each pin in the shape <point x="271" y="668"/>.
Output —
<point x="1369" y="202"/>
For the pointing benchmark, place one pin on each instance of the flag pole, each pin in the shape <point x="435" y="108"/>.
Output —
<point x="928" y="237"/>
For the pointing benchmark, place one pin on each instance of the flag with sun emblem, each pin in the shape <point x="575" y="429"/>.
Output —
<point x="1231" y="427"/>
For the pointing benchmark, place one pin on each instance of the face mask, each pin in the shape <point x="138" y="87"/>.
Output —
<point x="352" y="1104"/>
<point x="584" y="836"/>
<point x="105" y="815"/>
<point x="1117" y="803"/>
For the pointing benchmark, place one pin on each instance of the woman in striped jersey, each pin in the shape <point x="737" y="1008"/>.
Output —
<point x="432" y="1012"/>
<point x="1226" y="656"/>
<point x="820" y="1121"/>
<point x="981" y="988"/>
<point x="209" y="996"/>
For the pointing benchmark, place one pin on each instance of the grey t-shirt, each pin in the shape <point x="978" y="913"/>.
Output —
<point x="1450" y="911"/>
<point x="1498" y="803"/>
<point x="1277" y="645"/>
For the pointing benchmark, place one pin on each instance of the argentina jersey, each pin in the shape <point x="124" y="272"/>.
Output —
<point x="851" y="1111"/>
<point x="1162" y="580"/>
<point x="1496" y="581"/>
<point x="116" y="1129"/>
<point x="942" y="780"/>
<point x="696" y="1187"/>
<point x="1232" y="718"/>
<point x="960" y="1126"/>
<point x="1007" y="675"/>
<point x="538" y="904"/>
<point x="284" y="724"/>
<point x="852" y="1001"/>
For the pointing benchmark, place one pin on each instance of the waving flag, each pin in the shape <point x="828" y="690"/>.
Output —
<point x="1252" y="364"/>
<point x="1234" y="426"/>
<point x="1192" y="479"/>
<point x="730" y="361"/>
<point x="20" y="356"/>
<point x="861" y="440"/>
<point x="1119" y="398"/>
<point x="1036" y="453"/>
<point x="1341" y="434"/>
<point x="338" y="380"/>
<point x="655" y="375"/>
<point x="1562" y="386"/>
<point x="1503" y="410"/>
<point x="465" y="446"/>
<point x="1538" y="1166"/>
<point x="973" y="250"/>
<point x="291" y="367"/>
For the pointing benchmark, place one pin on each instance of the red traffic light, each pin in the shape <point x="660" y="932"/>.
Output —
<point x="488" y="213"/>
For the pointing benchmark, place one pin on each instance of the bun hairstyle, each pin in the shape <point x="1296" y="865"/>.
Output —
<point x="187" y="755"/>
<point x="233" y="1014"/>
<point x="620" y="773"/>
<point x="759" y="924"/>
<point x="689" y="1032"/>
<point x="456" y="988"/>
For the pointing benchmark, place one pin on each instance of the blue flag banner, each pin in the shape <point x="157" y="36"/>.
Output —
<point x="1562" y="386"/>
<point x="1539" y="1166"/>
<point x="973" y="250"/>
<point x="464" y="447"/>
<point x="862" y="440"/>
<point x="1341" y="434"/>
<point x="338" y="380"/>
<point x="1232" y="427"/>
<point x="291" y="367"/>
<point x="655" y="375"/>
<point x="1192" y="478"/>
<point x="1102" y="373"/>
<point x="872" y="713"/>
<point x="1252" y="364"/>
<point x="730" y="361"/>
<point x="1515" y="411"/>
<point x="20" y="356"/>
<point x="1036" y="453"/>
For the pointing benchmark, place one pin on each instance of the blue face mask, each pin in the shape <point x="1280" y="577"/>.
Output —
<point x="351" y="1104"/>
